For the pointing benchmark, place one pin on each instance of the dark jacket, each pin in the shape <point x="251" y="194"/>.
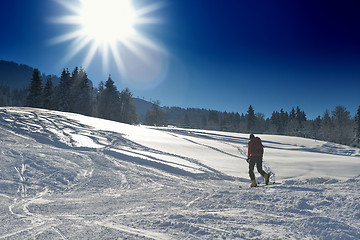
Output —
<point x="255" y="147"/>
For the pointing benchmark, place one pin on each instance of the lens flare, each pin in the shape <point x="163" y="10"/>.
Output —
<point x="109" y="26"/>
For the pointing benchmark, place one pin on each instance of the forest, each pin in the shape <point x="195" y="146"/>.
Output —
<point x="75" y="93"/>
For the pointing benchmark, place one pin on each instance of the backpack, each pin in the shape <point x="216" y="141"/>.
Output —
<point x="257" y="146"/>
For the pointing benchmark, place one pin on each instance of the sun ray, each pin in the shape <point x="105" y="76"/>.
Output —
<point x="149" y="20"/>
<point x="149" y="9"/>
<point x="108" y="27"/>
<point x="78" y="45"/>
<point x="105" y="57"/>
<point x="118" y="60"/>
<point x="69" y="5"/>
<point x="142" y="40"/>
<point x="90" y="55"/>
<point x="70" y="20"/>
<point x="66" y="37"/>
<point x="136" y="50"/>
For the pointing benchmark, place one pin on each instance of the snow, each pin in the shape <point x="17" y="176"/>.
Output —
<point x="68" y="176"/>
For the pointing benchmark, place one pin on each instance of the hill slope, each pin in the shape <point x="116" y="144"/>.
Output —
<point x="15" y="75"/>
<point x="67" y="176"/>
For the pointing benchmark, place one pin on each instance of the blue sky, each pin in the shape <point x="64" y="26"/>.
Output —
<point x="222" y="55"/>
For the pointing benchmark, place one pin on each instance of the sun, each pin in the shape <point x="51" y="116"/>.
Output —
<point x="107" y="21"/>
<point x="107" y="26"/>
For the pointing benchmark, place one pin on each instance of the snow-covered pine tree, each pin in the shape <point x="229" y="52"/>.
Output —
<point x="35" y="97"/>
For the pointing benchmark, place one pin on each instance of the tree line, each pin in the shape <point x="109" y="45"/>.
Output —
<point x="336" y="126"/>
<point x="75" y="93"/>
<point x="12" y="96"/>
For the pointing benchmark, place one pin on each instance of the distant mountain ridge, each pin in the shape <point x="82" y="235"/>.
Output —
<point x="15" y="75"/>
<point x="142" y="106"/>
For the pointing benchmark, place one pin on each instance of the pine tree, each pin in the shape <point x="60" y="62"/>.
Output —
<point x="357" y="128"/>
<point x="213" y="122"/>
<point x="342" y="125"/>
<point x="109" y="106"/>
<point x="203" y="121"/>
<point x="75" y="88"/>
<point x="260" y="125"/>
<point x="283" y="120"/>
<point x="292" y="114"/>
<point x="128" y="109"/>
<point x="35" y="97"/>
<point x="326" y="126"/>
<point x="83" y="98"/>
<point x="12" y="97"/>
<point x="300" y="116"/>
<point x="49" y="94"/>
<point x="237" y="120"/>
<point x="187" y="120"/>
<point x="63" y="92"/>
<point x="98" y="94"/>
<point x="316" y="126"/>
<point x="224" y="121"/>
<point x="75" y="76"/>
<point x="155" y="117"/>
<point x="275" y="122"/>
<point x="250" y="118"/>
<point x="214" y="116"/>
<point x="292" y="125"/>
<point x="4" y="95"/>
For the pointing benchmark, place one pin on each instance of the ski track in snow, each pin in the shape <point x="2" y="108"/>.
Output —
<point x="67" y="176"/>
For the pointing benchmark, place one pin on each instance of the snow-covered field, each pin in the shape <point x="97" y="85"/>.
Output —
<point x="67" y="176"/>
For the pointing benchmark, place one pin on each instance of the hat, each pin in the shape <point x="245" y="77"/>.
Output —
<point x="252" y="136"/>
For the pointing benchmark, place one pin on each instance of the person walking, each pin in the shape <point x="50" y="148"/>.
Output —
<point x="255" y="156"/>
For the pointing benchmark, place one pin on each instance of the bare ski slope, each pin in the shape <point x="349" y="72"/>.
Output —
<point x="67" y="176"/>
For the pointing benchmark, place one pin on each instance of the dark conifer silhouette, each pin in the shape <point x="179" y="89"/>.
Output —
<point x="63" y="92"/>
<point x="109" y="102"/>
<point x="82" y="93"/>
<point x="250" y="118"/>
<point x="49" y="101"/>
<point x="156" y="116"/>
<point x="357" y="129"/>
<point x="35" y="93"/>
<point x="127" y="107"/>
